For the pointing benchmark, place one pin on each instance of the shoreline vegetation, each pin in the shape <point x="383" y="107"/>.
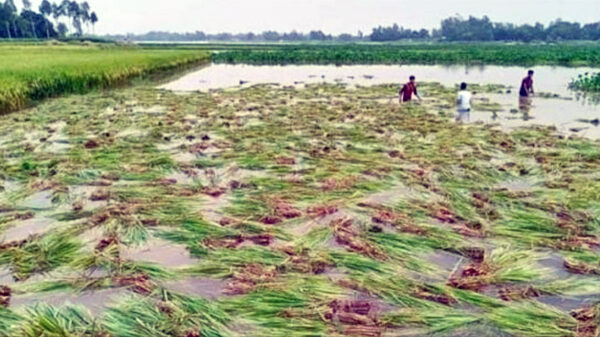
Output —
<point x="587" y="82"/>
<point x="416" y="53"/>
<point x="32" y="72"/>
<point x="276" y="211"/>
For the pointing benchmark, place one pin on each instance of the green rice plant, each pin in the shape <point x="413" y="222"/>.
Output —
<point x="530" y="319"/>
<point x="8" y="321"/>
<point x="175" y="316"/>
<point x="41" y="254"/>
<point x="30" y="72"/>
<point x="266" y="307"/>
<point x="514" y="265"/>
<point x="427" y="198"/>
<point x="45" y="320"/>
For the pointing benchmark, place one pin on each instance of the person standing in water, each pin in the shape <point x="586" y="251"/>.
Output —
<point x="464" y="104"/>
<point x="408" y="90"/>
<point x="526" y="92"/>
<point x="527" y="85"/>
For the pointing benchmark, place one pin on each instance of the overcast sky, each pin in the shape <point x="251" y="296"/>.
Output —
<point x="331" y="16"/>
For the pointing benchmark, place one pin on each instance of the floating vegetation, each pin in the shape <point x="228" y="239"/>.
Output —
<point x="587" y="82"/>
<point x="271" y="211"/>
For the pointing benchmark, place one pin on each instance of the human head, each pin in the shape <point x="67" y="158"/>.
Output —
<point x="412" y="78"/>
<point x="530" y="73"/>
<point x="463" y="86"/>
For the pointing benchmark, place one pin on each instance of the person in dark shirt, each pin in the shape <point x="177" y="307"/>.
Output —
<point x="408" y="90"/>
<point x="527" y="85"/>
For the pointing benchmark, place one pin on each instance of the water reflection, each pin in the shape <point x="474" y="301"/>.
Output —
<point x="525" y="104"/>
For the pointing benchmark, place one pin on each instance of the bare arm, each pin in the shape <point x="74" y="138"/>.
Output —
<point x="417" y="94"/>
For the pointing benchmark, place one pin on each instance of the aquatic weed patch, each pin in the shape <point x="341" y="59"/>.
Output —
<point x="587" y="82"/>
<point x="321" y="211"/>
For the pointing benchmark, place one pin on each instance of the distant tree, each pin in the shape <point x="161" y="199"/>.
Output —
<point x="11" y="9"/>
<point x="27" y="7"/>
<point x="62" y="29"/>
<point x="345" y="37"/>
<point x="74" y="13"/>
<point x="93" y="20"/>
<point x="293" y="36"/>
<point x="224" y="37"/>
<point x="10" y="6"/>
<point x="473" y="29"/>
<point x="562" y="30"/>
<point x="318" y="35"/>
<point x="37" y="23"/>
<point x="395" y="33"/>
<point x="59" y="11"/>
<point x="84" y="14"/>
<point x="271" y="36"/>
<point x="46" y="10"/>
<point x="591" y="31"/>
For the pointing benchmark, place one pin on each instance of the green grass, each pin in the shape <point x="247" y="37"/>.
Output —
<point x="33" y="72"/>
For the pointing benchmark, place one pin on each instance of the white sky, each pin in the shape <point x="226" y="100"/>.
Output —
<point x="331" y="16"/>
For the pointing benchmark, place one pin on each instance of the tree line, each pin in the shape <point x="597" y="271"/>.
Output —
<point x="451" y="29"/>
<point x="51" y="20"/>
<point x="483" y="29"/>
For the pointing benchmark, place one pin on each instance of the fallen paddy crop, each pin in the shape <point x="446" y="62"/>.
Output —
<point x="278" y="211"/>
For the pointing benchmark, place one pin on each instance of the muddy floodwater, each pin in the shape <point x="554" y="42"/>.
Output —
<point x="294" y="210"/>
<point x="569" y="111"/>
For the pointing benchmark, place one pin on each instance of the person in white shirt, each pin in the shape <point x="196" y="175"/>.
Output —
<point x="464" y="104"/>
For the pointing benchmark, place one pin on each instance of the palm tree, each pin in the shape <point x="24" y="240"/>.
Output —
<point x="46" y="10"/>
<point x="93" y="20"/>
<point x="62" y="11"/>
<point x="85" y="14"/>
<point x="27" y="7"/>
<point x="9" y="5"/>
<point x="74" y="12"/>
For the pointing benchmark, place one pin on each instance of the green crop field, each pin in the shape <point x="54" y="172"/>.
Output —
<point x="287" y="211"/>
<point x="30" y="72"/>
<point x="585" y="54"/>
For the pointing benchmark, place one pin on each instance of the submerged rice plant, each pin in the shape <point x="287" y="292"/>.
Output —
<point x="270" y="211"/>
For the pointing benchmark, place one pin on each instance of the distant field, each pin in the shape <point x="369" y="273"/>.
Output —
<point x="30" y="72"/>
<point x="569" y="54"/>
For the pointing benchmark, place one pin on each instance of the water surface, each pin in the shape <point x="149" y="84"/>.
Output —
<point x="569" y="113"/>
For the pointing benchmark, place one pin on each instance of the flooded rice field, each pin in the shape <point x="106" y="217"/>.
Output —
<point x="569" y="111"/>
<point x="316" y="209"/>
